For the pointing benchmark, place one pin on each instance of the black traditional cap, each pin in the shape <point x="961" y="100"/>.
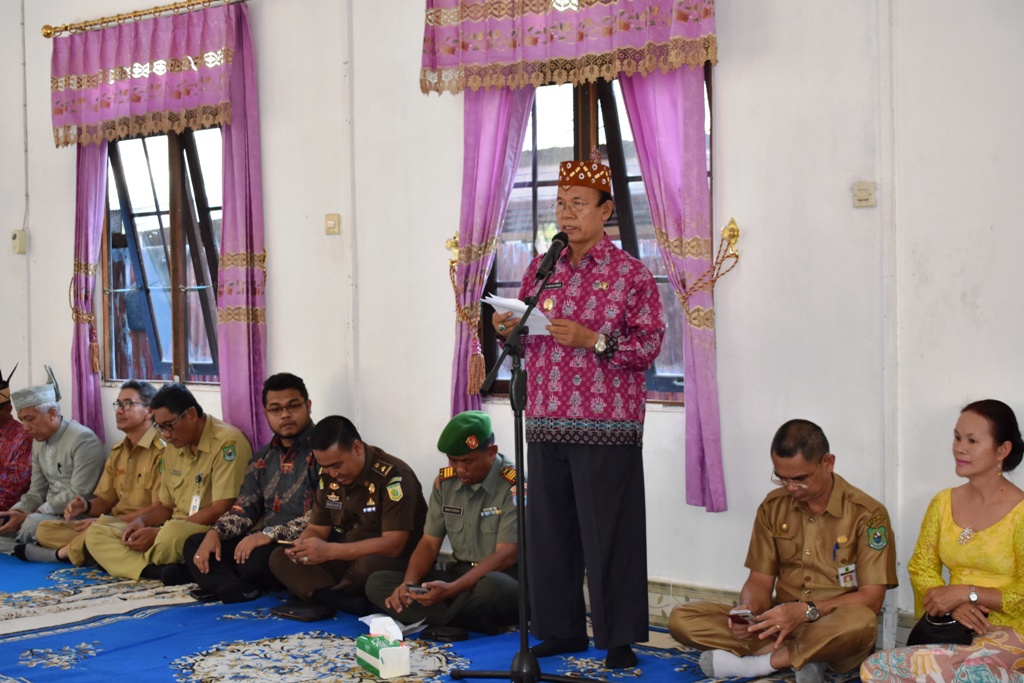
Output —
<point x="466" y="432"/>
<point x="5" y="386"/>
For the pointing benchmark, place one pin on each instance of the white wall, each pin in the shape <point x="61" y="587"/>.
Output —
<point x="876" y="323"/>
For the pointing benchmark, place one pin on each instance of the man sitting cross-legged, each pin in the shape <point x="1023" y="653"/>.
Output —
<point x="204" y="463"/>
<point x="231" y="561"/>
<point x="130" y="482"/>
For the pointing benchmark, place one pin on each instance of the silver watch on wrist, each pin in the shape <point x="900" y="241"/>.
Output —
<point x="812" y="612"/>
<point x="601" y="345"/>
<point x="973" y="595"/>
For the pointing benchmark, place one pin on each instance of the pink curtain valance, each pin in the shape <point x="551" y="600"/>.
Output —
<point x="515" y="43"/>
<point x="143" y="77"/>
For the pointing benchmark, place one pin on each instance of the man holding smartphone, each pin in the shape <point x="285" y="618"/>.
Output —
<point x="824" y="548"/>
<point x="231" y="561"/>
<point x="473" y="504"/>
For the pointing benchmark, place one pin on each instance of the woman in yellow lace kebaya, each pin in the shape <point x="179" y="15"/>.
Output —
<point x="976" y="531"/>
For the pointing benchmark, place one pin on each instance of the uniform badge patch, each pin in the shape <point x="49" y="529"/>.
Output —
<point x="228" y="452"/>
<point x="395" y="491"/>
<point x="451" y="510"/>
<point x="472" y="441"/>
<point x="878" y="537"/>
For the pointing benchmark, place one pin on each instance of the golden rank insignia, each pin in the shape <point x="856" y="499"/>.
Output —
<point x="842" y="539"/>
<point x="371" y="488"/>
<point x="334" y="485"/>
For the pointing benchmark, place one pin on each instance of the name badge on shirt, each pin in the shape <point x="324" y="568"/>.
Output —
<point x="333" y="502"/>
<point x="194" y="507"/>
<point x="848" y="575"/>
<point x="451" y="510"/>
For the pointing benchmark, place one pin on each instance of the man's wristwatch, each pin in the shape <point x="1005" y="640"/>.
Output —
<point x="973" y="595"/>
<point x="812" y="612"/>
<point x="601" y="345"/>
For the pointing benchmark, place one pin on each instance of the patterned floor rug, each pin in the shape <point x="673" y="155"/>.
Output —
<point x="59" y="623"/>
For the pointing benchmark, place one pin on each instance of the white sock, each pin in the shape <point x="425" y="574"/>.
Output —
<point x="727" y="665"/>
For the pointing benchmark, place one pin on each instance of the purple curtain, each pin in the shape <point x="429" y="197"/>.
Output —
<point x="90" y="204"/>
<point x="485" y="44"/>
<point x="666" y="113"/>
<point x="164" y="74"/>
<point x="143" y="77"/>
<point x="495" y="124"/>
<point x="241" y="304"/>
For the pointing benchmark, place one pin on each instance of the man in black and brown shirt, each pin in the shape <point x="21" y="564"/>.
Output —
<point x="231" y="561"/>
<point x="368" y="514"/>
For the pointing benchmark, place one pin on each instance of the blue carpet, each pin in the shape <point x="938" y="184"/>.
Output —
<point x="59" y="623"/>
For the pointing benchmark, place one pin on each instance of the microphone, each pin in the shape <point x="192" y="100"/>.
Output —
<point x="558" y="243"/>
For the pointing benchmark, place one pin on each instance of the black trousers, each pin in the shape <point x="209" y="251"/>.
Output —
<point x="585" y="509"/>
<point x="255" y="570"/>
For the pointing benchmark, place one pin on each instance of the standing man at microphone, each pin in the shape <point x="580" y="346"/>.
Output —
<point x="585" y="408"/>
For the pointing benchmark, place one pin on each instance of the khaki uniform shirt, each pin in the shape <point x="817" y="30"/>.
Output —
<point x="132" y="475"/>
<point x="386" y="496"/>
<point x="475" y="518"/>
<point x="806" y="552"/>
<point x="214" y="472"/>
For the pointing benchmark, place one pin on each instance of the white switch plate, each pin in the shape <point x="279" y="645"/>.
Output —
<point x="19" y="242"/>
<point x="863" y="194"/>
<point x="332" y="224"/>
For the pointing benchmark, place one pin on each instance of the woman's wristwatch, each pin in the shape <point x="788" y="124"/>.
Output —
<point x="973" y="595"/>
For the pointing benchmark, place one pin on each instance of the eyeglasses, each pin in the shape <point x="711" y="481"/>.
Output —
<point x="576" y="205"/>
<point x="167" y="427"/>
<point x="127" y="404"/>
<point x="793" y="483"/>
<point x="292" y="407"/>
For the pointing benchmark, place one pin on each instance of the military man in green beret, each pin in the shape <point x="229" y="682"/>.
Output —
<point x="473" y="503"/>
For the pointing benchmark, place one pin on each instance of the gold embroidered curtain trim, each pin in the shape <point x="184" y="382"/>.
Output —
<point x="244" y="259"/>
<point x="495" y="9"/>
<point x="83" y="268"/>
<point x="241" y="314"/>
<point x="474" y="252"/>
<point x="627" y="61"/>
<point x="692" y="247"/>
<point x="160" y="67"/>
<point x="153" y="123"/>
<point x="698" y="316"/>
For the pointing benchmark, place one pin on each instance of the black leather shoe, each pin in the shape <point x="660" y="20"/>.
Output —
<point x="202" y="595"/>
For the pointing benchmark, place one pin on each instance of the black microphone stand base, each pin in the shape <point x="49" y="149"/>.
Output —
<point x="524" y="670"/>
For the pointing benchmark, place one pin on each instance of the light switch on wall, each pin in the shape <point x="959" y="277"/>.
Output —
<point x="332" y="224"/>
<point x="863" y="194"/>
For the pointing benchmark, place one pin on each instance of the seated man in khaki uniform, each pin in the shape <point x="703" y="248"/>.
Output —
<point x="473" y="504"/>
<point x="826" y="550"/>
<point x="368" y="513"/>
<point x="130" y="482"/>
<point x="204" y="463"/>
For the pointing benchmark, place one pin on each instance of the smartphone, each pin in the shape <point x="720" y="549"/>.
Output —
<point x="741" y="616"/>
<point x="418" y="590"/>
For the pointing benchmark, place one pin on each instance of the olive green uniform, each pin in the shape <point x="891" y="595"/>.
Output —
<point x="130" y="481"/>
<point x="476" y="519"/>
<point x="214" y="472"/>
<point x="386" y="496"/>
<point x="805" y="552"/>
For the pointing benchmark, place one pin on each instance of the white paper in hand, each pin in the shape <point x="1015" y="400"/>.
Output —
<point x="537" y="322"/>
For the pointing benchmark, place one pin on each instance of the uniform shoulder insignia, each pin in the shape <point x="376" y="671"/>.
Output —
<point x="877" y="519"/>
<point x="382" y="468"/>
<point x="508" y="473"/>
<point x="446" y="473"/>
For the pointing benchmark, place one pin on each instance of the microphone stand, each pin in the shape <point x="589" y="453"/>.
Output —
<point x="525" y="668"/>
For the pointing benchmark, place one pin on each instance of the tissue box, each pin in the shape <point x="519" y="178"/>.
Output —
<point x="382" y="656"/>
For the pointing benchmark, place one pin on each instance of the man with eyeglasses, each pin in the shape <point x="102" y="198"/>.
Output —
<point x="129" y="485"/>
<point x="15" y="449"/>
<point x="67" y="459"/>
<point x="824" y="549"/>
<point x="586" y="399"/>
<point x="203" y="466"/>
<point x="231" y="561"/>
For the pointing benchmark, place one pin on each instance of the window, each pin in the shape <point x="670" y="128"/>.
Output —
<point x="566" y="122"/>
<point x="160" y="257"/>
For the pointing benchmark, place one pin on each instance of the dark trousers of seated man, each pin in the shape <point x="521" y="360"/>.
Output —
<point x="230" y="581"/>
<point x="843" y="638"/>
<point x="317" y="582"/>
<point x="495" y="597"/>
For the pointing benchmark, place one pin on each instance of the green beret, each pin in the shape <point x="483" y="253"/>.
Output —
<point x="465" y="432"/>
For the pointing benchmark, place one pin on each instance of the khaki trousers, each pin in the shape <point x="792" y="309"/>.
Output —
<point x="843" y="638"/>
<point x="104" y="541"/>
<point x="57" y="534"/>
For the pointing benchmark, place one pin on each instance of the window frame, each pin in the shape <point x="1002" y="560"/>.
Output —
<point x="187" y="236"/>
<point x="668" y="388"/>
